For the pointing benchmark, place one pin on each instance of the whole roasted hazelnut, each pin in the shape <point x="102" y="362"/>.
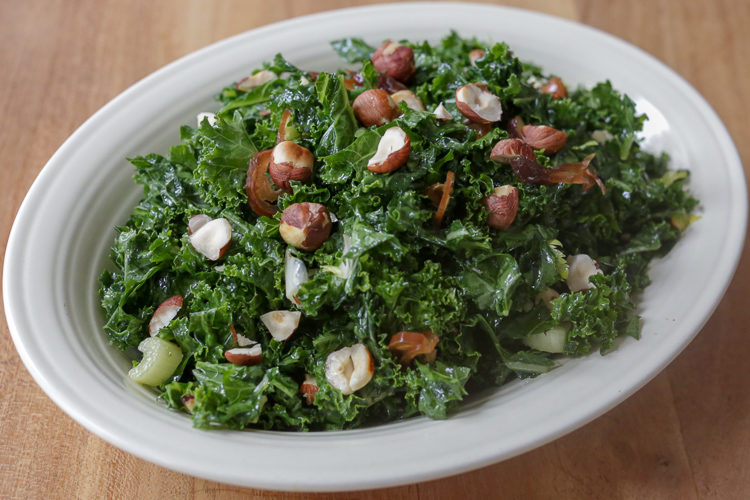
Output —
<point x="374" y="107"/>
<point x="395" y="60"/>
<point x="305" y="225"/>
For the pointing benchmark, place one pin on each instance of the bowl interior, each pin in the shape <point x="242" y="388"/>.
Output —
<point x="61" y="239"/>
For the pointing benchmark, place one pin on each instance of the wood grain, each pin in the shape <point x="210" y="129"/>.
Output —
<point x="684" y="435"/>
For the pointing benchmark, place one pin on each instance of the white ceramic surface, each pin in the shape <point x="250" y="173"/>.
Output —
<point x="51" y="269"/>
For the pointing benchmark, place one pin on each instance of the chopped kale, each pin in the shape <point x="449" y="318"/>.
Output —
<point x="387" y="266"/>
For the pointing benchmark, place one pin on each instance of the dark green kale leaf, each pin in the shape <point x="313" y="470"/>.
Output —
<point x="352" y="50"/>
<point x="225" y="150"/>
<point x="598" y="316"/>
<point x="334" y="99"/>
<point x="389" y="266"/>
<point x="441" y="387"/>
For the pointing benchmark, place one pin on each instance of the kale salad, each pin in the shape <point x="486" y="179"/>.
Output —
<point x="338" y="249"/>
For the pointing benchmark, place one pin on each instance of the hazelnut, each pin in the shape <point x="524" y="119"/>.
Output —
<point x="391" y="85"/>
<point x="502" y="206"/>
<point x="355" y="79"/>
<point x="506" y="150"/>
<point x="580" y="268"/>
<point x="442" y="114"/>
<point x="281" y="324"/>
<point x="244" y="356"/>
<point x="305" y="225"/>
<point x="374" y="107"/>
<point x="239" y="339"/>
<point x="547" y="295"/>
<point x="478" y="104"/>
<point x="555" y="87"/>
<point x="308" y="388"/>
<point x="409" y="345"/>
<point x="164" y="314"/>
<point x="209" y="237"/>
<point x="260" y="194"/>
<point x="256" y="80"/>
<point x="543" y="137"/>
<point x="475" y="55"/>
<point x="195" y="222"/>
<point x="290" y="162"/>
<point x="188" y="401"/>
<point x="395" y="60"/>
<point x="295" y="275"/>
<point x="410" y="98"/>
<point x="440" y="195"/>
<point x="482" y="129"/>
<point x="287" y="132"/>
<point x="515" y="127"/>
<point x="350" y="368"/>
<point x="392" y="153"/>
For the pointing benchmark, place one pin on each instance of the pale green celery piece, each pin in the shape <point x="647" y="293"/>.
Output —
<point x="673" y="175"/>
<point x="160" y="359"/>
<point x="682" y="220"/>
<point x="553" y="340"/>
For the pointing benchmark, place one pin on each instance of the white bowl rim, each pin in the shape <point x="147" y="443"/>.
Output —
<point x="13" y="281"/>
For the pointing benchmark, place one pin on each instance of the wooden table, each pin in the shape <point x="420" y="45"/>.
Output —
<point x="684" y="435"/>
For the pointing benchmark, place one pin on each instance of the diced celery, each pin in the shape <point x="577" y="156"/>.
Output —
<point x="553" y="340"/>
<point x="160" y="359"/>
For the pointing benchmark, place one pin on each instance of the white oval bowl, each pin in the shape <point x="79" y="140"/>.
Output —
<point x="61" y="236"/>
